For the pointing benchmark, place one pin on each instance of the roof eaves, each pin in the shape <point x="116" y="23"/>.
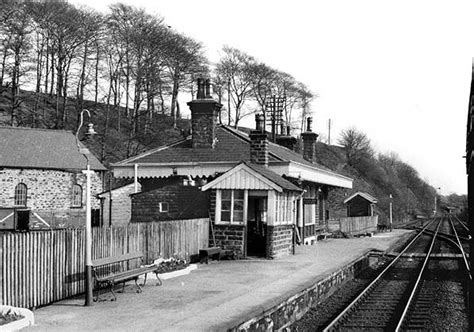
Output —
<point x="147" y="153"/>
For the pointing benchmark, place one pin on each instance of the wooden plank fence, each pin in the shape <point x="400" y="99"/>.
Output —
<point x="41" y="267"/>
<point x="358" y="225"/>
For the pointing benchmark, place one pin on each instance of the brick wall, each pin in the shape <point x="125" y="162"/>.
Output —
<point x="279" y="240"/>
<point x="184" y="202"/>
<point x="49" y="193"/>
<point x="258" y="148"/>
<point x="230" y="237"/>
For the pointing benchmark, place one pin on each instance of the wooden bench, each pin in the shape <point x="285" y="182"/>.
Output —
<point x="323" y="236"/>
<point x="110" y="271"/>
<point x="211" y="252"/>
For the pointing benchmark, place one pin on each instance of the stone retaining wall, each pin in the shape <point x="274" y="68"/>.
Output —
<point x="284" y="314"/>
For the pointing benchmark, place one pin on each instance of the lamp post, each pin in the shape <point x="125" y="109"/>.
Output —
<point x="391" y="225"/>
<point x="88" y="240"/>
<point x="436" y="201"/>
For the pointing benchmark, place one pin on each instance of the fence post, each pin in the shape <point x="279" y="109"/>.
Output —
<point x="2" y="260"/>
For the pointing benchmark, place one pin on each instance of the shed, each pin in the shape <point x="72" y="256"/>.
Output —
<point x="360" y="204"/>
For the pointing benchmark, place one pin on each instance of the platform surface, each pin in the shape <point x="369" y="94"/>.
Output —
<point x="213" y="297"/>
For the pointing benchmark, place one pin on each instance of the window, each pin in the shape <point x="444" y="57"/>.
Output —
<point x="20" y="194"/>
<point x="76" y="196"/>
<point x="232" y="206"/>
<point x="163" y="207"/>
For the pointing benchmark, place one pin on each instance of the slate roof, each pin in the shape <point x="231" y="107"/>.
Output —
<point x="274" y="177"/>
<point x="232" y="145"/>
<point x="366" y="196"/>
<point x="42" y="148"/>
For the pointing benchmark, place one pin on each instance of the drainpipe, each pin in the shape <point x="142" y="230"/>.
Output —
<point x="135" y="169"/>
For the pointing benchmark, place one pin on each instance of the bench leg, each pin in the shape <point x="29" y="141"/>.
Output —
<point x="139" y="290"/>
<point x="111" y="283"/>
<point x="158" y="280"/>
<point x="144" y="281"/>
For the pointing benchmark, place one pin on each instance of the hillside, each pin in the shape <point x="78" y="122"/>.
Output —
<point x="380" y="176"/>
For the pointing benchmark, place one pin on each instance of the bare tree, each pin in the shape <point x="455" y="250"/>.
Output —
<point x="16" y="30"/>
<point x="183" y="57"/>
<point x="356" y="145"/>
<point x="236" y="67"/>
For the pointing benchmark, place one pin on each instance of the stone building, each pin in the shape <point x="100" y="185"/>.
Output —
<point x="264" y="197"/>
<point x="41" y="179"/>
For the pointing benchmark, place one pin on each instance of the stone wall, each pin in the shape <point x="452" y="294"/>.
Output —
<point x="121" y="205"/>
<point x="282" y="315"/>
<point x="49" y="193"/>
<point x="279" y="240"/>
<point x="230" y="237"/>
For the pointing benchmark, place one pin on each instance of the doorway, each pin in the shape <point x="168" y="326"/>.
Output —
<point x="257" y="226"/>
<point x="23" y="220"/>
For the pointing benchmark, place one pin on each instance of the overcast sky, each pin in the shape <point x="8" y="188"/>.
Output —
<point x="399" y="71"/>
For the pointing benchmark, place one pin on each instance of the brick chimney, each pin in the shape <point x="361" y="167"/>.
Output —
<point x="259" y="143"/>
<point x="286" y="139"/>
<point x="309" y="141"/>
<point x="204" y="113"/>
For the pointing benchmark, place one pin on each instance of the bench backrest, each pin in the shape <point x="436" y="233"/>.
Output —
<point x="116" y="259"/>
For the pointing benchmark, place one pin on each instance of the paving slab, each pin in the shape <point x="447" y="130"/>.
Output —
<point x="215" y="296"/>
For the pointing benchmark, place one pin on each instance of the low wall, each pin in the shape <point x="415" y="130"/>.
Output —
<point x="284" y="314"/>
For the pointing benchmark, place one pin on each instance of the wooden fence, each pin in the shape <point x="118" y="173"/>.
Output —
<point x="41" y="267"/>
<point x="358" y="225"/>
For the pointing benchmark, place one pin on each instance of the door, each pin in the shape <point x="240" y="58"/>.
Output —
<point x="23" y="220"/>
<point x="257" y="226"/>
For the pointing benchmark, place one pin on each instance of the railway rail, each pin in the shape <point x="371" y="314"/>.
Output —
<point x="402" y="296"/>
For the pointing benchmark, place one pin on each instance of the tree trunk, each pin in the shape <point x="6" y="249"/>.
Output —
<point x="174" y="97"/>
<point x="96" y="90"/>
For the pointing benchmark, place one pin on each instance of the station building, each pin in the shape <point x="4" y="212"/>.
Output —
<point x="263" y="197"/>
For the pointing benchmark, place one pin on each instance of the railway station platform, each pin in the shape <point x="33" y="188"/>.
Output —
<point x="216" y="296"/>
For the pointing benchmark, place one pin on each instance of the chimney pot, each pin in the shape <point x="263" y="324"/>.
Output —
<point x="200" y="89"/>
<point x="208" y="86"/>
<point x="259" y="125"/>
<point x="309" y="141"/>
<point x="309" y="123"/>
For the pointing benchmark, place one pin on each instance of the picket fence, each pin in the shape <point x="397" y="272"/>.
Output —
<point x="41" y="267"/>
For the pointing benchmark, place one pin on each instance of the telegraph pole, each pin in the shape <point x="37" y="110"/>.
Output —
<point x="329" y="132"/>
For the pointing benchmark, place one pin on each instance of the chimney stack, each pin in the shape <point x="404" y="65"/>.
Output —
<point x="286" y="140"/>
<point x="204" y="113"/>
<point x="259" y="142"/>
<point x="309" y="141"/>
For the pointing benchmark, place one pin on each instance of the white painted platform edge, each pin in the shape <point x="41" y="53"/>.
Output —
<point x="27" y="320"/>
<point x="173" y="274"/>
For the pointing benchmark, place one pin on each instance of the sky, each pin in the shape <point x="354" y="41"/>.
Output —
<point x="398" y="71"/>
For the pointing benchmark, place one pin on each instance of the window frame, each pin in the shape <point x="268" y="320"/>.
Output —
<point x="233" y="199"/>
<point x="75" y="203"/>
<point x="20" y="195"/>
<point x="161" y="206"/>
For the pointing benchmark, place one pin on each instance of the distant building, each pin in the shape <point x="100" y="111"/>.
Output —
<point x="41" y="179"/>
<point x="263" y="196"/>
<point x="360" y="204"/>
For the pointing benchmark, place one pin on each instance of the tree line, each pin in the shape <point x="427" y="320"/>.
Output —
<point x="389" y="175"/>
<point x="129" y="60"/>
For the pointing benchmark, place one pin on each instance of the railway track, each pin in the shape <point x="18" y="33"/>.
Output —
<point x="403" y="296"/>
